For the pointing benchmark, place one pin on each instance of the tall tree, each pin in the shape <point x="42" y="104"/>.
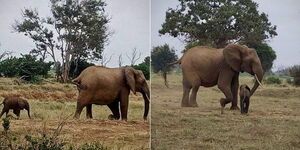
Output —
<point x="218" y="22"/>
<point x="160" y="57"/>
<point x="76" y="30"/>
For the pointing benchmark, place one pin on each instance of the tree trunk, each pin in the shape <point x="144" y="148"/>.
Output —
<point x="66" y="69"/>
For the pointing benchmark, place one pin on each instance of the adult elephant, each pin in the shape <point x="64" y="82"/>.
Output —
<point x="206" y="66"/>
<point x="111" y="87"/>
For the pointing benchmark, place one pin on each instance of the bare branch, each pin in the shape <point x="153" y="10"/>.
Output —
<point x="120" y="60"/>
<point x="135" y="56"/>
<point x="105" y="60"/>
<point x="5" y="53"/>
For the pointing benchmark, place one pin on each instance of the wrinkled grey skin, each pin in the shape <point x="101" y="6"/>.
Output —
<point x="16" y="104"/>
<point x="244" y="98"/>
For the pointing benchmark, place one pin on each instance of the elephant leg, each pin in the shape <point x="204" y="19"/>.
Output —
<point x="224" y="84"/>
<point x="114" y="107"/>
<point x="234" y="91"/>
<point x="89" y="114"/>
<point x="78" y="110"/>
<point x="124" y="104"/>
<point x="186" y="93"/>
<point x="17" y="113"/>
<point x="193" y="102"/>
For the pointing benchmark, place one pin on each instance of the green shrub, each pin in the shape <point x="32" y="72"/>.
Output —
<point x="27" y="67"/>
<point x="272" y="80"/>
<point x="144" y="67"/>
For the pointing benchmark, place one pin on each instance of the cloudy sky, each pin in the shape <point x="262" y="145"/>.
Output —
<point x="284" y="14"/>
<point x="130" y="24"/>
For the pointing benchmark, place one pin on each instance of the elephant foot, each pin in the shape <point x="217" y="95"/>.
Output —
<point x="89" y="117"/>
<point x="76" y="116"/>
<point x="193" y="105"/>
<point x="234" y="108"/>
<point x="222" y="102"/>
<point x="112" y="117"/>
<point x="185" y="105"/>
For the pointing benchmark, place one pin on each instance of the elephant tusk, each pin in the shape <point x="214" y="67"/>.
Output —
<point x="257" y="80"/>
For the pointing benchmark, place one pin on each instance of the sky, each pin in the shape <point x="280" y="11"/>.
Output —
<point x="284" y="14"/>
<point x="130" y="25"/>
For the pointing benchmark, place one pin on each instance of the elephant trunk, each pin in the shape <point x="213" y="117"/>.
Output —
<point x="146" y="96"/>
<point x="258" y="75"/>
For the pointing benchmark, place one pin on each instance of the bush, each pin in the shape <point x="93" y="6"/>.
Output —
<point x="43" y="142"/>
<point x="81" y="65"/>
<point x="295" y="73"/>
<point x="145" y="67"/>
<point x="272" y="80"/>
<point x="27" y="67"/>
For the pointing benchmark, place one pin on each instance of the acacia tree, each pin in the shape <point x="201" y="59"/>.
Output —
<point x="160" y="57"/>
<point x="218" y="22"/>
<point x="76" y="30"/>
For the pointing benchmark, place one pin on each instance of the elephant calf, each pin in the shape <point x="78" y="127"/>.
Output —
<point x="244" y="98"/>
<point x="16" y="104"/>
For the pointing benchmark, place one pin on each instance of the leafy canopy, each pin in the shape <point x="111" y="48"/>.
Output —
<point x="76" y="30"/>
<point x="27" y="66"/>
<point x="217" y="22"/>
<point x="161" y="56"/>
<point x="145" y="67"/>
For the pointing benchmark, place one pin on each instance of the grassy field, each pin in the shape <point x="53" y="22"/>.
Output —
<point x="273" y="121"/>
<point x="53" y="102"/>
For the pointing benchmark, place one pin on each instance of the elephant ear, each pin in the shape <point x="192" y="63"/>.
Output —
<point x="130" y="78"/>
<point x="233" y="54"/>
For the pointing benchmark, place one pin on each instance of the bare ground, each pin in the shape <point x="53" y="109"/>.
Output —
<point x="273" y="121"/>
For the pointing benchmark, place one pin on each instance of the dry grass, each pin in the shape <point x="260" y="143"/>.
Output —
<point x="52" y="102"/>
<point x="273" y="121"/>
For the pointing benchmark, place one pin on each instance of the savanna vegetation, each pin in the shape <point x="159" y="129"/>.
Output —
<point x="273" y="121"/>
<point x="53" y="103"/>
<point x="67" y="41"/>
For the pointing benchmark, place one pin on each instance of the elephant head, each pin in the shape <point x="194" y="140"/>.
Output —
<point x="243" y="59"/>
<point x="137" y="83"/>
<point x="23" y="104"/>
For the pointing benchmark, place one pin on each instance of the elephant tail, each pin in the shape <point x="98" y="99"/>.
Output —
<point x="175" y="62"/>
<point x="77" y="82"/>
<point x="165" y="73"/>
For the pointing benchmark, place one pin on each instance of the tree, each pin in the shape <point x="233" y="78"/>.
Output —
<point x="5" y="53"/>
<point x="26" y="66"/>
<point x="160" y="57"/>
<point x="266" y="55"/>
<point x="77" y="67"/>
<point x="134" y="56"/>
<point x="145" y="67"/>
<point x="76" y="30"/>
<point x="105" y="59"/>
<point x="218" y="22"/>
<point x="120" y="60"/>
